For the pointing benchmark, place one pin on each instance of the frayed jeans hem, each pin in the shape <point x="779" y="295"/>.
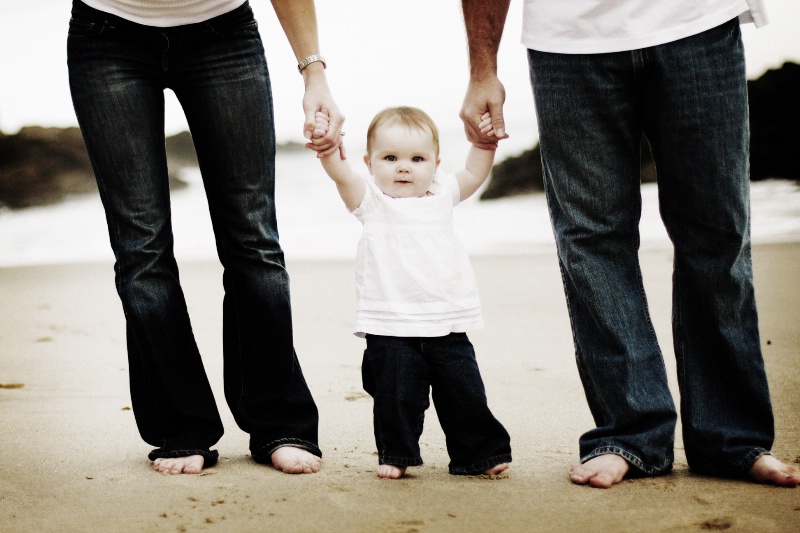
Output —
<point x="264" y="454"/>
<point x="399" y="461"/>
<point x="641" y="468"/>
<point x="479" y="466"/>
<point x="736" y="470"/>
<point x="209" y="456"/>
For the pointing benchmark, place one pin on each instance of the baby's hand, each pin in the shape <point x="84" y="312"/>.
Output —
<point x="486" y="125"/>
<point x="321" y="124"/>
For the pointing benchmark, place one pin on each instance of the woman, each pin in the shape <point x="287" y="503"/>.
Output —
<point x="122" y="54"/>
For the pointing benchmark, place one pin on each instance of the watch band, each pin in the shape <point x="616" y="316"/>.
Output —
<point x="311" y="59"/>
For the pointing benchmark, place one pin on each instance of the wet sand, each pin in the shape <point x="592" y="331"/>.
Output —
<point x="72" y="459"/>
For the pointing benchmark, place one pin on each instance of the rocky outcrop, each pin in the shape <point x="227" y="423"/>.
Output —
<point x="44" y="165"/>
<point x="774" y="101"/>
<point x="775" y="123"/>
<point x="522" y="174"/>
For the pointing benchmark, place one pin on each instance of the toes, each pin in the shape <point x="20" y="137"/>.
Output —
<point x="580" y="474"/>
<point x="192" y="464"/>
<point x="295" y="461"/>
<point x="496" y="470"/>
<point x="391" y="472"/>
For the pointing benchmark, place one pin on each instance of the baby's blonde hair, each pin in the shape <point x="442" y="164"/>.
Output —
<point x="410" y="117"/>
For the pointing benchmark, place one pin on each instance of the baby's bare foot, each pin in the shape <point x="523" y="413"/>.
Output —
<point x="391" y="471"/>
<point x="293" y="460"/>
<point x="602" y="471"/>
<point x="191" y="464"/>
<point x="496" y="470"/>
<point x="768" y="469"/>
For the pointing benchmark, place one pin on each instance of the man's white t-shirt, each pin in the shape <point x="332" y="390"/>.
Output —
<point x="165" y="13"/>
<point x="600" y="26"/>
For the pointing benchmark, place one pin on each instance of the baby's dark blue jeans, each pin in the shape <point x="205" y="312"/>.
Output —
<point x="400" y="373"/>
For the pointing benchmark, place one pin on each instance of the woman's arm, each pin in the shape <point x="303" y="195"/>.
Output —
<point x="298" y="19"/>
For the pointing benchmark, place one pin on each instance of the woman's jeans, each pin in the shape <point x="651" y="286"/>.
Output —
<point x="690" y="100"/>
<point x="118" y="71"/>
<point x="401" y="372"/>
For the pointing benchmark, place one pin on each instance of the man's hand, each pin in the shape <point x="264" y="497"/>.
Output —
<point x="482" y="98"/>
<point x="484" y="22"/>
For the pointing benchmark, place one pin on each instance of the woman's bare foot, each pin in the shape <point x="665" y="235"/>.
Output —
<point x="602" y="471"/>
<point x="293" y="460"/>
<point x="391" y="471"/>
<point x="191" y="464"/>
<point x="496" y="470"/>
<point x="768" y="469"/>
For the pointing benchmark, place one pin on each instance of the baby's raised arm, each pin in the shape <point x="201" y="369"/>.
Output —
<point x="351" y="186"/>
<point x="478" y="165"/>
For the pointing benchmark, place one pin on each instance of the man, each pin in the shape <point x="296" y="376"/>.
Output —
<point x="603" y="75"/>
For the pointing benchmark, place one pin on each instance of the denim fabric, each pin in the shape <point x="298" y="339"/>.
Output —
<point x="689" y="99"/>
<point x="400" y="373"/>
<point x="118" y="71"/>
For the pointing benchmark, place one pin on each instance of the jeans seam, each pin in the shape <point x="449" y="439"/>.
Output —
<point x="263" y="454"/>
<point x="210" y="457"/>
<point x="747" y="462"/>
<point x="399" y="461"/>
<point x="628" y="456"/>
<point x="479" y="466"/>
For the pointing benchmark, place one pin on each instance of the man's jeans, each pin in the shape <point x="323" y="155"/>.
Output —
<point x="689" y="98"/>
<point x="118" y="72"/>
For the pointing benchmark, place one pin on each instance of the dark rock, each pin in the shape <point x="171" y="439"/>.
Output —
<point x="522" y="174"/>
<point x="44" y="165"/>
<point x="775" y="123"/>
<point x="774" y="101"/>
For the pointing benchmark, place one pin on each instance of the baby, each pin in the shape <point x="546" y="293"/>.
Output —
<point x="416" y="294"/>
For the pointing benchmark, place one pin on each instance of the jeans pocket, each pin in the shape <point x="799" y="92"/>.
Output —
<point x="79" y="27"/>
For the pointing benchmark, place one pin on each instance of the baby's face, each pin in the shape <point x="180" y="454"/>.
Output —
<point x="403" y="160"/>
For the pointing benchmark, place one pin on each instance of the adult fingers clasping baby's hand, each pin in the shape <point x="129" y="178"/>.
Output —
<point x="486" y="127"/>
<point x="321" y="127"/>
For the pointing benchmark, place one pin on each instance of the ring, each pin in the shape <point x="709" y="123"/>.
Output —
<point x="342" y="134"/>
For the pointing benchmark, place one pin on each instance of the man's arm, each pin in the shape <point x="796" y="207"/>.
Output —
<point x="298" y="19"/>
<point x="484" y="21"/>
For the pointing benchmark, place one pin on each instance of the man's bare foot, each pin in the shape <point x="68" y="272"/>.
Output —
<point x="496" y="470"/>
<point x="391" y="471"/>
<point x="191" y="464"/>
<point x="293" y="460"/>
<point x="602" y="471"/>
<point x="768" y="469"/>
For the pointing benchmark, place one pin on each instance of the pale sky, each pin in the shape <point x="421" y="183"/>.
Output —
<point x="379" y="53"/>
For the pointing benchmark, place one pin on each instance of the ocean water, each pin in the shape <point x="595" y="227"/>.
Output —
<point x="314" y="225"/>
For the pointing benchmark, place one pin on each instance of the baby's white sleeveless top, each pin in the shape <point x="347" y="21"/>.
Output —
<point x="413" y="275"/>
<point x="165" y="13"/>
<point x="600" y="26"/>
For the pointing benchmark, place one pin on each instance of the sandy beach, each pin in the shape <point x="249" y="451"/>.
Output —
<point x="72" y="459"/>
